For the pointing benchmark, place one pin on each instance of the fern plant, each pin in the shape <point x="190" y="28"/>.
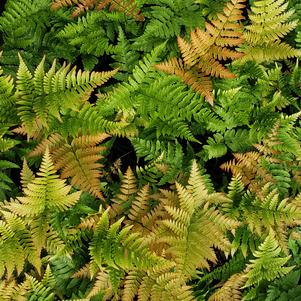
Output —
<point x="267" y="265"/>
<point x="165" y="20"/>
<point x="276" y="161"/>
<point x="29" y="28"/>
<point x="129" y="7"/>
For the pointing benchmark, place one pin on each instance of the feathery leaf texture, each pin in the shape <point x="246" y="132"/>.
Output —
<point x="42" y="95"/>
<point x="276" y="161"/>
<point x="268" y="263"/>
<point x="203" y="57"/>
<point x="78" y="159"/>
<point x="128" y="7"/>
<point x="269" y="24"/>
<point x="42" y="196"/>
<point x="26" y="225"/>
<point x="231" y="289"/>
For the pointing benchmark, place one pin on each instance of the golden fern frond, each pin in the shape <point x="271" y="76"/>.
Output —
<point x="83" y="272"/>
<point x="247" y="166"/>
<point x="36" y="132"/>
<point x="197" y="80"/>
<point x="204" y="56"/>
<point x="128" y="7"/>
<point x="194" y="226"/>
<point x="10" y="290"/>
<point x="78" y="160"/>
<point x="128" y="186"/>
<point x="231" y="289"/>
<point x="90" y="221"/>
<point x="102" y="284"/>
<point x="126" y="193"/>
<point x="131" y="285"/>
<point x="43" y="195"/>
<point x="54" y="244"/>
<point x="27" y="175"/>
<point x="139" y="205"/>
<point x="52" y="142"/>
<point x="269" y="23"/>
<point x="196" y="183"/>
<point x="171" y="286"/>
<point x="275" y="161"/>
<point x="15" y="238"/>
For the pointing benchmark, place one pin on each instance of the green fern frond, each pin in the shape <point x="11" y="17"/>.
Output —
<point x="42" y="95"/>
<point x="15" y="237"/>
<point x="268" y="263"/>
<point x="44" y="195"/>
<point x="269" y="23"/>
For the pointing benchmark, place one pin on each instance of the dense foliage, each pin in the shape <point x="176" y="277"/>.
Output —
<point x="150" y="150"/>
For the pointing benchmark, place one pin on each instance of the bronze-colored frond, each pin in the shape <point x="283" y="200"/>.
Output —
<point x="78" y="160"/>
<point x="208" y="49"/>
<point x="231" y="289"/>
<point x="128" y="7"/>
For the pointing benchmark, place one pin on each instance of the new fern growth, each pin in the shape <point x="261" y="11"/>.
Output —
<point x="267" y="265"/>
<point x="27" y="224"/>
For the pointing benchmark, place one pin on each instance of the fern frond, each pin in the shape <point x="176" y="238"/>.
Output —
<point x="78" y="159"/>
<point x="274" y="162"/>
<point x="190" y="246"/>
<point x="131" y="285"/>
<point x="27" y="175"/>
<point x="121" y="249"/>
<point x="7" y="98"/>
<point x="10" y="290"/>
<point x="231" y="289"/>
<point x="269" y="23"/>
<point x="128" y="7"/>
<point x="139" y="205"/>
<point x="268" y="263"/>
<point x="127" y="191"/>
<point x="15" y="237"/>
<point x="41" y="95"/>
<point x="102" y="284"/>
<point x="43" y="195"/>
<point x="204" y="55"/>
<point x="197" y="80"/>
